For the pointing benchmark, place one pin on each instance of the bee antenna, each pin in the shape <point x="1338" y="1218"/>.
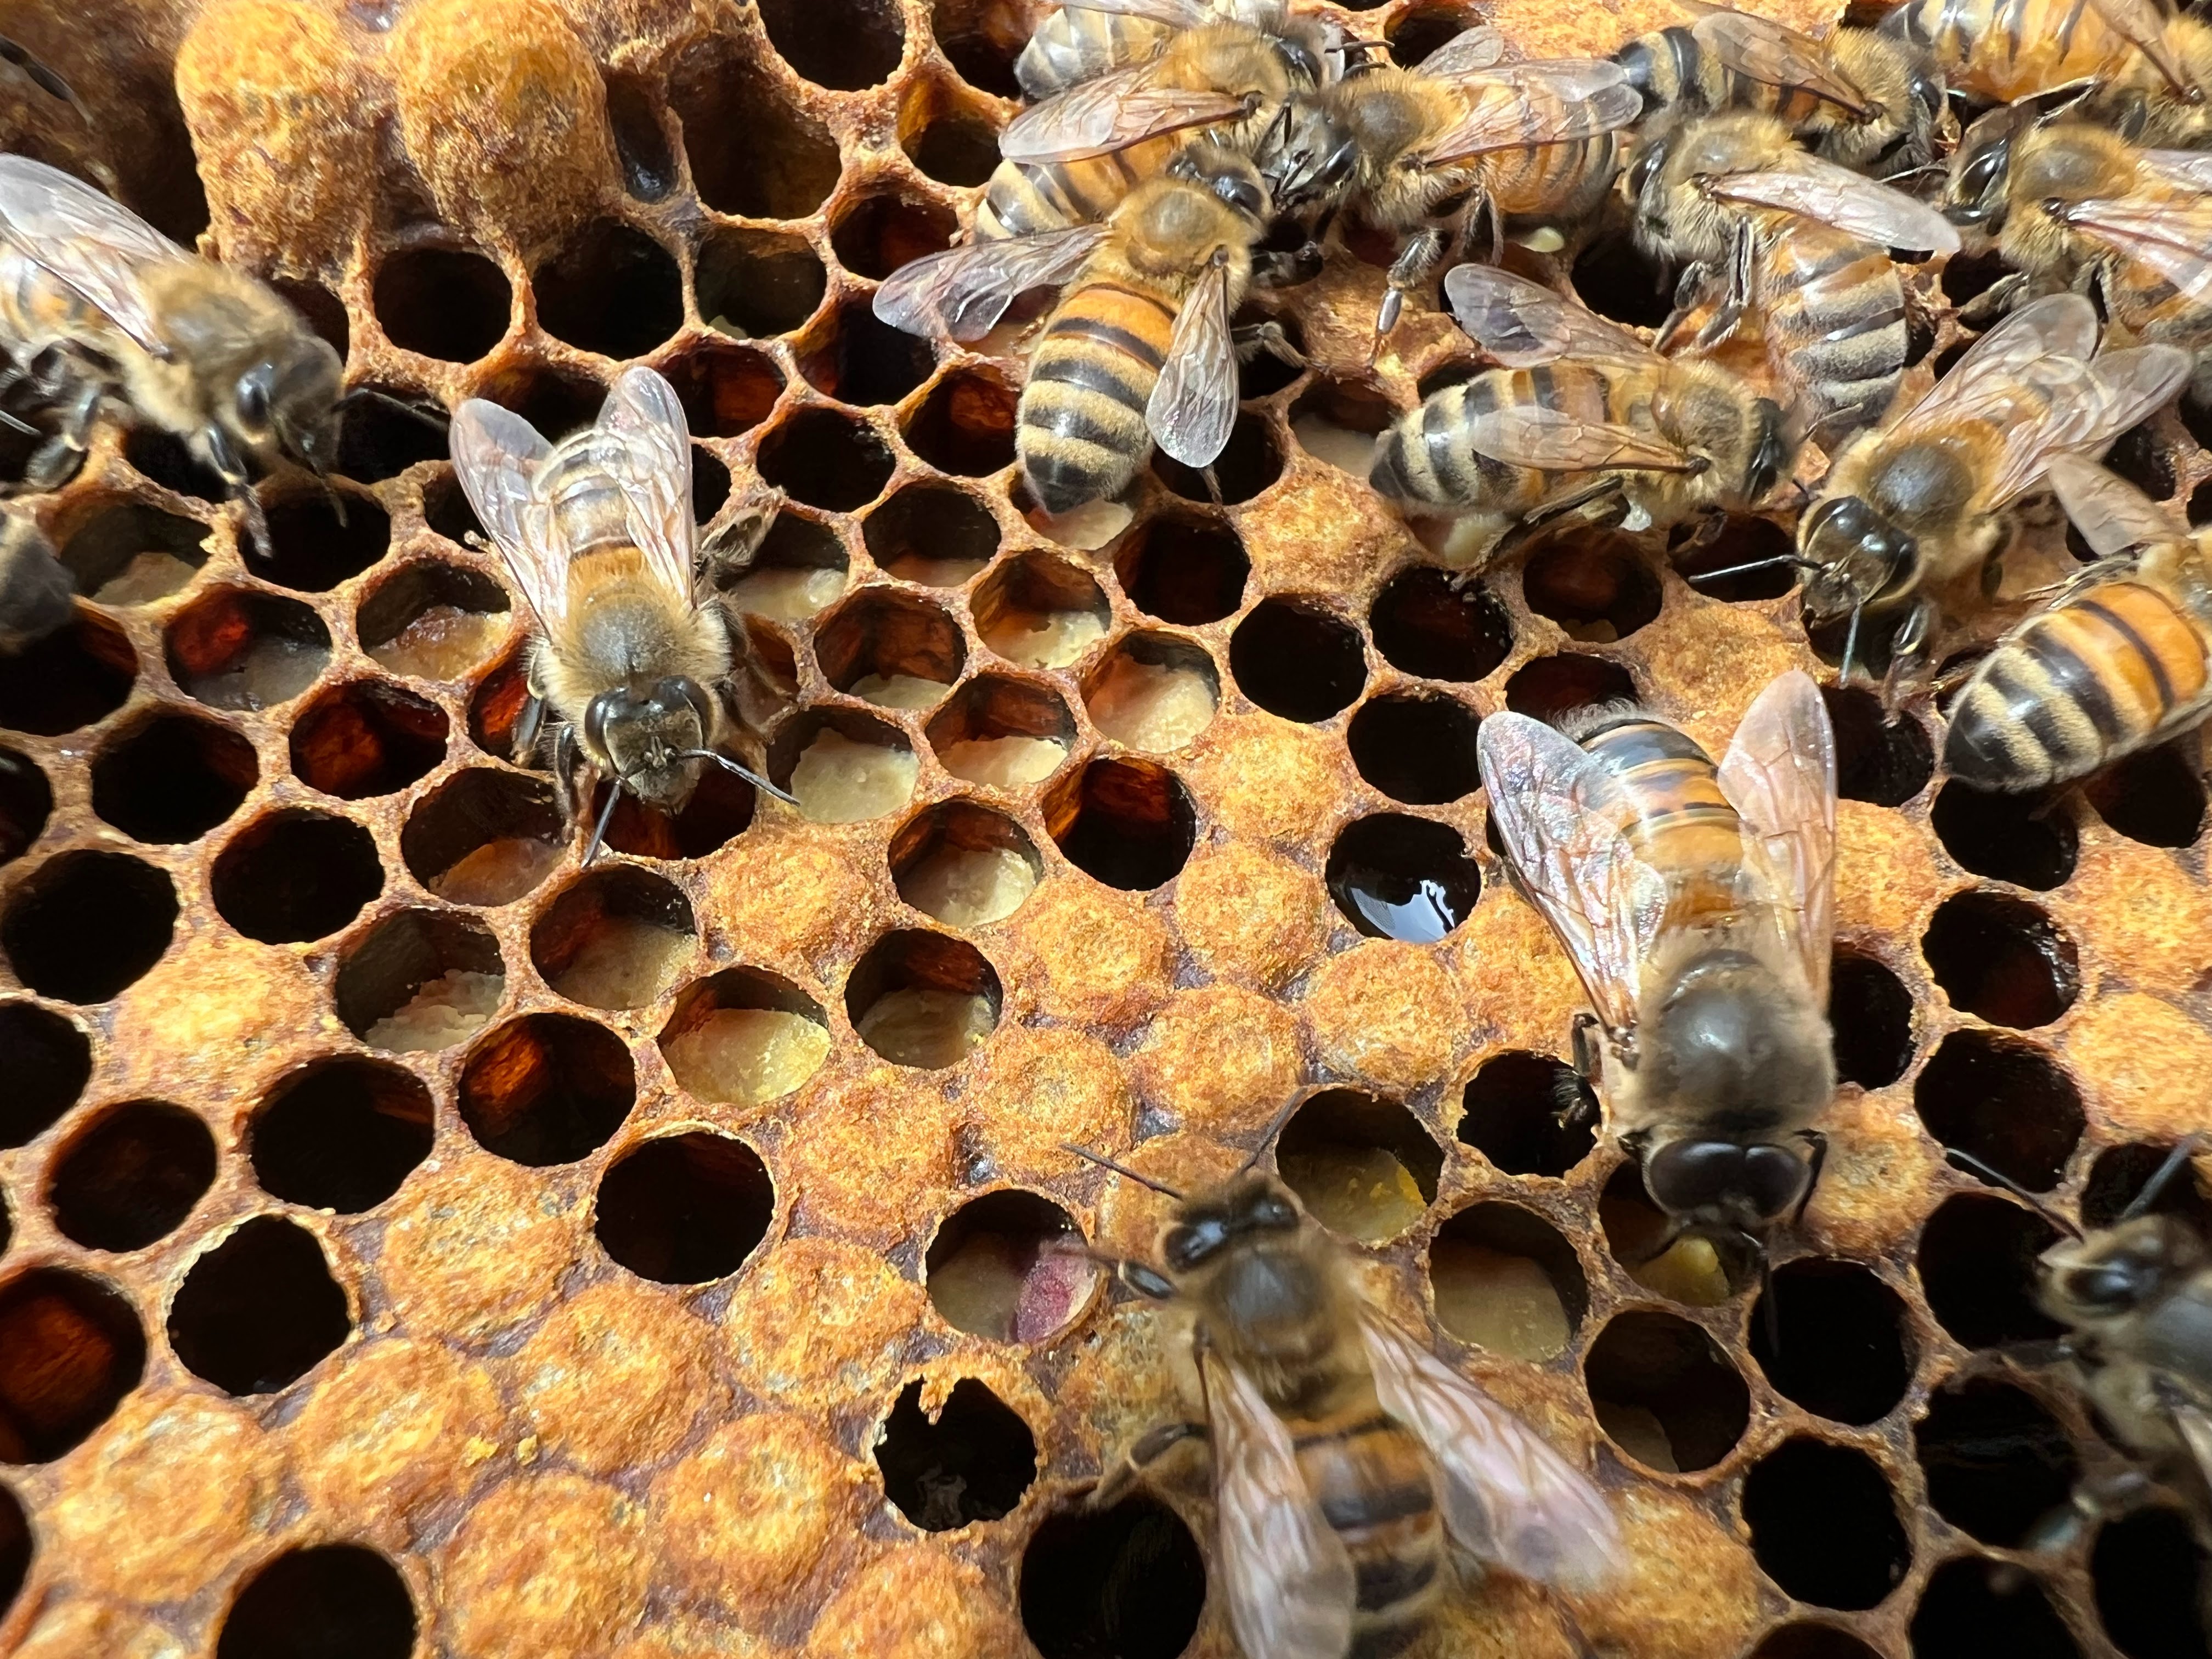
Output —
<point x="1850" y="647"/>
<point x="2176" y="1162"/>
<point x="429" y="416"/>
<point x="337" y="501"/>
<point x="1267" y="1137"/>
<point x="1122" y="1169"/>
<point x="1770" y="1309"/>
<point x="599" y="829"/>
<point x="1797" y="559"/>
<point x="2034" y="1201"/>
<point x="745" y="772"/>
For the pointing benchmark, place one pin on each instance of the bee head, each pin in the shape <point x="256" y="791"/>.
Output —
<point x="1207" y="1225"/>
<point x="1306" y="153"/>
<point x="288" y="402"/>
<point x="1859" y="553"/>
<point x="1732" y="1047"/>
<point x="2117" y="1271"/>
<point x="1724" y="1186"/>
<point x="649" y="739"/>
<point x="1232" y="176"/>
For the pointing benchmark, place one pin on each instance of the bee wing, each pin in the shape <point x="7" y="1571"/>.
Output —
<point x="1175" y="14"/>
<point x="1815" y="189"/>
<point x="1553" y="441"/>
<point x="2059" y="328"/>
<point x="2172" y="234"/>
<point x="1546" y="798"/>
<point x="1286" y="1576"/>
<point x="2143" y="24"/>
<point x="1468" y="52"/>
<point x="2090" y="405"/>
<point x="1548" y="102"/>
<point x="647" y="447"/>
<point x="961" y="294"/>
<point x="1194" y="403"/>
<point x="2113" y="516"/>
<point x="1780" y="777"/>
<point x="2191" y="169"/>
<point x="1761" y="49"/>
<point x="91" y="242"/>
<point x="1523" y="324"/>
<point x="497" y="455"/>
<point x="1111" y="113"/>
<point x="1508" y="1496"/>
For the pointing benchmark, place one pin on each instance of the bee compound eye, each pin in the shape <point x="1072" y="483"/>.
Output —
<point x="1689" y="1174"/>
<point x="1773" y="1176"/>
<point x="600" y="712"/>
<point x="253" y="396"/>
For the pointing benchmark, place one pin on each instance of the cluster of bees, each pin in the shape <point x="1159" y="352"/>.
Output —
<point x="1181" y="154"/>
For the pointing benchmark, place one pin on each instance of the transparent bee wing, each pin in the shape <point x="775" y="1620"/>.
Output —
<point x="645" y="445"/>
<point x="91" y="242"/>
<point x="961" y="294"/>
<point x="2191" y="169"/>
<point x="1815" y="189"/>
<point x="1549" y="101"/>
<point x="2060" y="327"/>
<point x="1194" y="403"/>
<point x="1507" y="1496"/>
<point x="1759" y="49"/>
<point x="2170" y="234"/>
<point x="1286" y="1575"/>
<point x="1468" y="52"/>
<point x="1523" y="324"/>
<point x="2143" y="24"/>
<point x="497" y="455"/>
<point x="1553" y="441"/>
<point x="1111" y="113"/>
<point x="2114" y="517"/>
<point x="1548" y="799"/>
<point x="2123" y="389"/>
<point x="1780" y="777"/>
<point x="1175" y="14"/>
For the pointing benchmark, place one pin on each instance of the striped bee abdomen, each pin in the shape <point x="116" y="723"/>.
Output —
<point x="1682" y="825"/>
<point x="1023" y="199"/>
<point x="1081" y="424"/>
<point x="1075" y="43"/>
<point x="1837" y="309"/>
<point x="1429" y="454"/>
<point x="1564" y="181"/>
<point x="2087" y="681"/>
<point x="1376" y="1490"/>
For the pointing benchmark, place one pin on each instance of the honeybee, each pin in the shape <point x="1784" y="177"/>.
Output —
<point x="1583" y="417"/>
<point x="1082" y="40"/>
<point x="96" y="304"/>
<point x="2120" y="660"/>
<point x="630" y="664"/>
<point x="36" y="595"/>
<point x="1697" y="903"/>
<point x="1867" y="101"/>
<point x="1140" y="348"/>
<point x="1342" y="1450"/>
<point x="1915" y="513"/>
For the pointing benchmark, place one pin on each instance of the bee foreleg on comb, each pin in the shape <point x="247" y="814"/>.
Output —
<point x="1136" y="1464"/>
<point x="1413" y="264"/>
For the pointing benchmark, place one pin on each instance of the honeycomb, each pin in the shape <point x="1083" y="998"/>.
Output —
<point x="416" y="1244"/>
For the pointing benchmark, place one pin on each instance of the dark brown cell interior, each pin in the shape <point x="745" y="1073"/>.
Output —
<point x="2001" y="958"/>
<point x="259" y="1310"/>
<point x="1129" y="1580"/>
<point x="1416" y="749"/>
<point x="71" y="1348"/>
<point x="340" y="1134"/>
<point x="330" y="1602"/>
<point x="958" y="825"/>
<point x="86" y="924"/>
<point x="556" y="401"/>
<point x="547" y="1089"/>
<point x="1755" y="552"/>
<point x="988" y="706"/>
<point x="420" y="585"/>
<point x="1804" y="1641"/>
<point x="383" y="970"/>
<point x="1824" y="1524"/>
<point x="161" y="456"/>
<point x="1834" y="1340"/>
<point x="48" y="1060"/>
<point x="855" y="358"/>
<point x="1397" y="877"/>
<point x="2147" y="1569"/>
<point x="965" y="426"/>
<point x="844" y="45"/>
<point x="1886" y="764"/>
<point x="1188" y="571"/>
<point x="913" y="958"/>
<point x="925" y="524"/>
<point x="27" y="800"/>
<point x="586" y="918"/>
<point x="1024" y="590"/>
<point x="1597" y="585"/>
<point x="1997" y="1463"/>
<point x="366" y="737"/>
<point x="295" y="876"/>
<point x="445" y="509"/>
<point x="1127" y="822"/>
<point x="1974" y="1607"/>
<point x="237" y="649"/>
<point x="2023" y="839"/>
<point x="876" y="234"/>
<point x="1008" y="1266"/>
<point x="1250" y="462"/>
<point x="1528" y="1114"/>
<point x="720" y="811"/>
<point x="710" y="484"/>
<point x="1870" y="1018"/>
<point x="2155" y="797"/>
<point x="16" y="1549"/>
<point x="753" y="284"/>
<point x="1336" y="1122"/>
<point x="610" y="289"/>
<point x="2004" y="1101"/>
<point x="132" y="1176"/>
<point x="1422" y="30"/>
<point x="972" y="1464"/>
<point x="885" y="633"/>
<point x="320" y="308"/>
<point x="648" y="161"/>
<point x="448" y="303"/>
<point x="1295" y="659"/>
<point x="69" y="679"/>
<point x="311" y="548"/>
<point x="793" y="543"/>
<point x="825" y="460"/>
<point x="752" y="153"/>
<point x="1978" y="1270"/>
<point x="683" y="1209"/>
<point x="726" y="390"/>
<point x="2119" y="1177"/>
<point x="1616" y="279"/>
<point x="1508" y="1230"/>
<point x="102" y="548"/>
<point x="981" y="41"/>
<point x="472" y="809"/>
<point x="1424" y="622"/>
<point x="1545" y="688"/>
<point x="951" y="137"/>
<point x="1658" y="1372"/>
<point x="380" y="436"/>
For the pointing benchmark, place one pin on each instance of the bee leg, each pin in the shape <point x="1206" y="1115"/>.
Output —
<point x="1150" y="1447"/>
<point x="529" y="726"/>
<point x="1689" y="289"/>
<point x="230" y="465"/>
<point x="1415" y="262"/>
<point x="1587" y="1061"/>
<point x="1819" y="1143"/>
<point x="724" y="555"/>
<point x="564" y="768"/>
<point x="1993" y="301"/>
<point x="1908" y="657"/>
<point x="1723" y="322"/>
<point x="56" y="459"/>
<point x="1268" y="337"/>
<point x="1213" y="484"/>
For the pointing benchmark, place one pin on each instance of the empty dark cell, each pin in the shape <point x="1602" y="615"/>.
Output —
<point x="1297" y="660"/>
<point x="1968" y="276"/>
<point x="1265" y="373"/>
<point x="1996" y="1462"/>
<point x="648" y="163"/>
<point x="2005" y="1101"/>
<point x="1812" y="1641"/>
<point x="333" y="1602"/>
<point x="2139" y="457"/>
<point x="16" y="1549"/>
<point x="825" y="460"/>
<point x="1396" y="877"/>
<point x="2147" y="1569"/>
<point x="86" y="924"/>
<point x="67" y="680"/>
<point x="1425" y="624"/>
<point x="1876" y="762"/>
<point x="756" y="283"/>
<point x="1834" y="1340"/>
<point x="720" y="809"/>
<point x="445" y="509"/>
<point x="1132" y="825"/>
<point x="471" y="810"/>
<point x="1652" y="1372"/>
<point x="710" y="484"/>
<point x="1452" y="372"/>
<point x="47" y="1062"/>
<point x="161" y="456"/>
<point x="1972" y="1607"/>
<point x="1871" y="1015"/>
<point x="611" y="289"/>
<point x="2200" y="505"/>
<point x="381" y="437"/>
<point x="725" y="391"/>
<point x="2023" y="839"/>
<point x="843" y="44"/>
<point x="1517" y="1111"/>
<point x="1598" y="585"/>
<point x="71" y="1348"/>
<point x="954" y="148"/>
<point x="1251" y="462"/>
<point x="2155" y="797"/>
<point x="684" y="1209"/>
<point x="311" y="551"/>
<point x="295" y="876"/>
<point x="1549" y="687"/>
<point x="548" y="1089"/>
<point x="1977" y="1268"/>
<point x="973" y="1463"/>
<point x="752" y="153"/>
<point x="367" y="738"/>
<point x="132" y="1177"/>
<point x="2001" y="958"/>
<point x="1415" y="749"/>
<point x="1615" y="279"/>
<point x="965" y="426"/>
<point x="883" y="632"/>
<point x="927" y="524"/>
<point x="2118" y="1176"/>
<point x="27" y="800"/>
<point x="342" y="1135"/>
<point x="113" y="547"/>
<point x="1127" y="1580"/>
<point x="442" y="302"/>
<point x="862" y="360"/>
<point x="554" y="401"/>
<point x="320" y="308"/>
<point x="1420" y="32"/>
<point x="257" y="1311"/>
<point x="982" y="46"/>
<point x="1756" y="552"/>
<point x="1189" y="571"/>
<point x="1823" y="1526"/>
<point x="877" y="234"/>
